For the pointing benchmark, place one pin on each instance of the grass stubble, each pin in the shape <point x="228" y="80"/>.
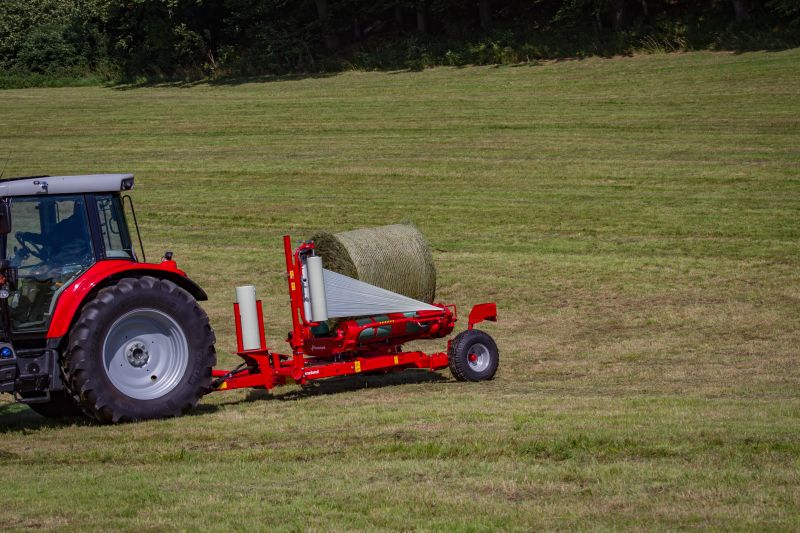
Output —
<point x="636" y="219"/>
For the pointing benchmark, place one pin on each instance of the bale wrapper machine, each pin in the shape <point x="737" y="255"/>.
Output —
<point x="353" y="345"/>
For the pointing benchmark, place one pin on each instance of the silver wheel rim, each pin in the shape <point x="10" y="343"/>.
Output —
<point x="145" y="354"/>
<point x="478" y="357"/>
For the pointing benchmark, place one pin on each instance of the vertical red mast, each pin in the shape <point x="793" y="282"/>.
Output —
<point x="293" y="273"/>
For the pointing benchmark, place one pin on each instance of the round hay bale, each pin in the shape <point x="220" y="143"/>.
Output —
<point x="395" y="257"/>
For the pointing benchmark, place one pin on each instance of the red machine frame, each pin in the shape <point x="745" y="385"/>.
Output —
<point x="263" y="368"/>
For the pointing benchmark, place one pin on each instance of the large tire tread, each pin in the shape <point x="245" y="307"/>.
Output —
<point x="86" y="379"/>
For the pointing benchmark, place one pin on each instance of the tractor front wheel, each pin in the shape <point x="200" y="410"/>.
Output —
<point x="473" y="356"/>
<point x="142" y="348"/>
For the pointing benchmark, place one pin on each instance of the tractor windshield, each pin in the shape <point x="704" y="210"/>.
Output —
<point x="50" y="245"/>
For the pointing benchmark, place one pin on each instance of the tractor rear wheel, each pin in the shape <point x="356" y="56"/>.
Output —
<point x="473" y="356"/>
<point x="142" y="348"/>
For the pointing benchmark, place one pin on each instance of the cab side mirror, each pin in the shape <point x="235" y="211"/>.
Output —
<point x="5" y="217"/>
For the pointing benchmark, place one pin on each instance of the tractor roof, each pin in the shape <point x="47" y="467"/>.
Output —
<point x="32" y="185"/>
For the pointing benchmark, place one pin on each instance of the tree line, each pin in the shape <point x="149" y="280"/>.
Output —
<point x="189" y="38"/>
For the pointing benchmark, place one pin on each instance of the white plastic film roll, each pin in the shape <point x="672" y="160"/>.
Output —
<point x="316" y="285"/>
<point x="246" y="298"/>
<point x="306" y="294"/>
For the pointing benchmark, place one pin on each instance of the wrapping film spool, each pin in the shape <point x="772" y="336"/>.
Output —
<point x="316" y="287"/>
<point x="248" y="316"/>
<point x="395" y="257"/>
<point x="306" y="293"/>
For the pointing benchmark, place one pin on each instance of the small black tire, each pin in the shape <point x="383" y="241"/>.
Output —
<point x="182" y="347"/>
<point x="478" y="345"/>
<point x="60" y="405"/>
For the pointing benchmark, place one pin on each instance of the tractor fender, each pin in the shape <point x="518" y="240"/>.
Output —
<point x="73" y="297"/>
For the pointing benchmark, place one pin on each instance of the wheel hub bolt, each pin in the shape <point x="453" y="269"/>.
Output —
<point x="137" y="354"/>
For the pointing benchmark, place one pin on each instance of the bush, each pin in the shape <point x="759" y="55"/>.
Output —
<point x="44" y="50"/>
<point x="52" y="37"/>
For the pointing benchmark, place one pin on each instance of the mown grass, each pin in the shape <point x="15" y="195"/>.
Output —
<point x="635" y="219"/>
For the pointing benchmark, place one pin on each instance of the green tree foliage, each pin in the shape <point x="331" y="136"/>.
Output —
<point x="788" y="8"/>
<point x="155" y="37"/>
<point x="52" y="36"/>
<point x="190" y="38"/>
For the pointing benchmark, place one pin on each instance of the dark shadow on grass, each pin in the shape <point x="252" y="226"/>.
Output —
<point x="331" y="386"/>
<point x="353" y="383"/>
<point x="298" y="76"/>
<point x="222" y="82"/>
<point x="232" y="81"/>
<point x="17" y="417"/>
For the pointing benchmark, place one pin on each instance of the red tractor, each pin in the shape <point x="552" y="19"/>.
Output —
<point x="88" y="328"/>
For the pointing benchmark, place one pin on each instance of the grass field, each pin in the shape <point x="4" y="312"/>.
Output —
<point x="636" y="219"/>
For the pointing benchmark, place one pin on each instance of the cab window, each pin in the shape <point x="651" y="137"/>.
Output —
<point x="50" y="245"/>
<point x="113" y="228"/>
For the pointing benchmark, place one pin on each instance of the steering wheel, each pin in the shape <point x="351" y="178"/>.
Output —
<point x="32" y="243"/>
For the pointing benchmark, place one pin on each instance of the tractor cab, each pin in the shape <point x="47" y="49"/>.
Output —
<point x="53" y="230"/>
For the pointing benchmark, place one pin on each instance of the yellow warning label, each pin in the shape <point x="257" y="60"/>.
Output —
<point x="291" y="274"/>
<point x="224" y="385"/>
<point x="358" y="366"/>
<point x="396" y="360"/>
<point x="293" y="285"/>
